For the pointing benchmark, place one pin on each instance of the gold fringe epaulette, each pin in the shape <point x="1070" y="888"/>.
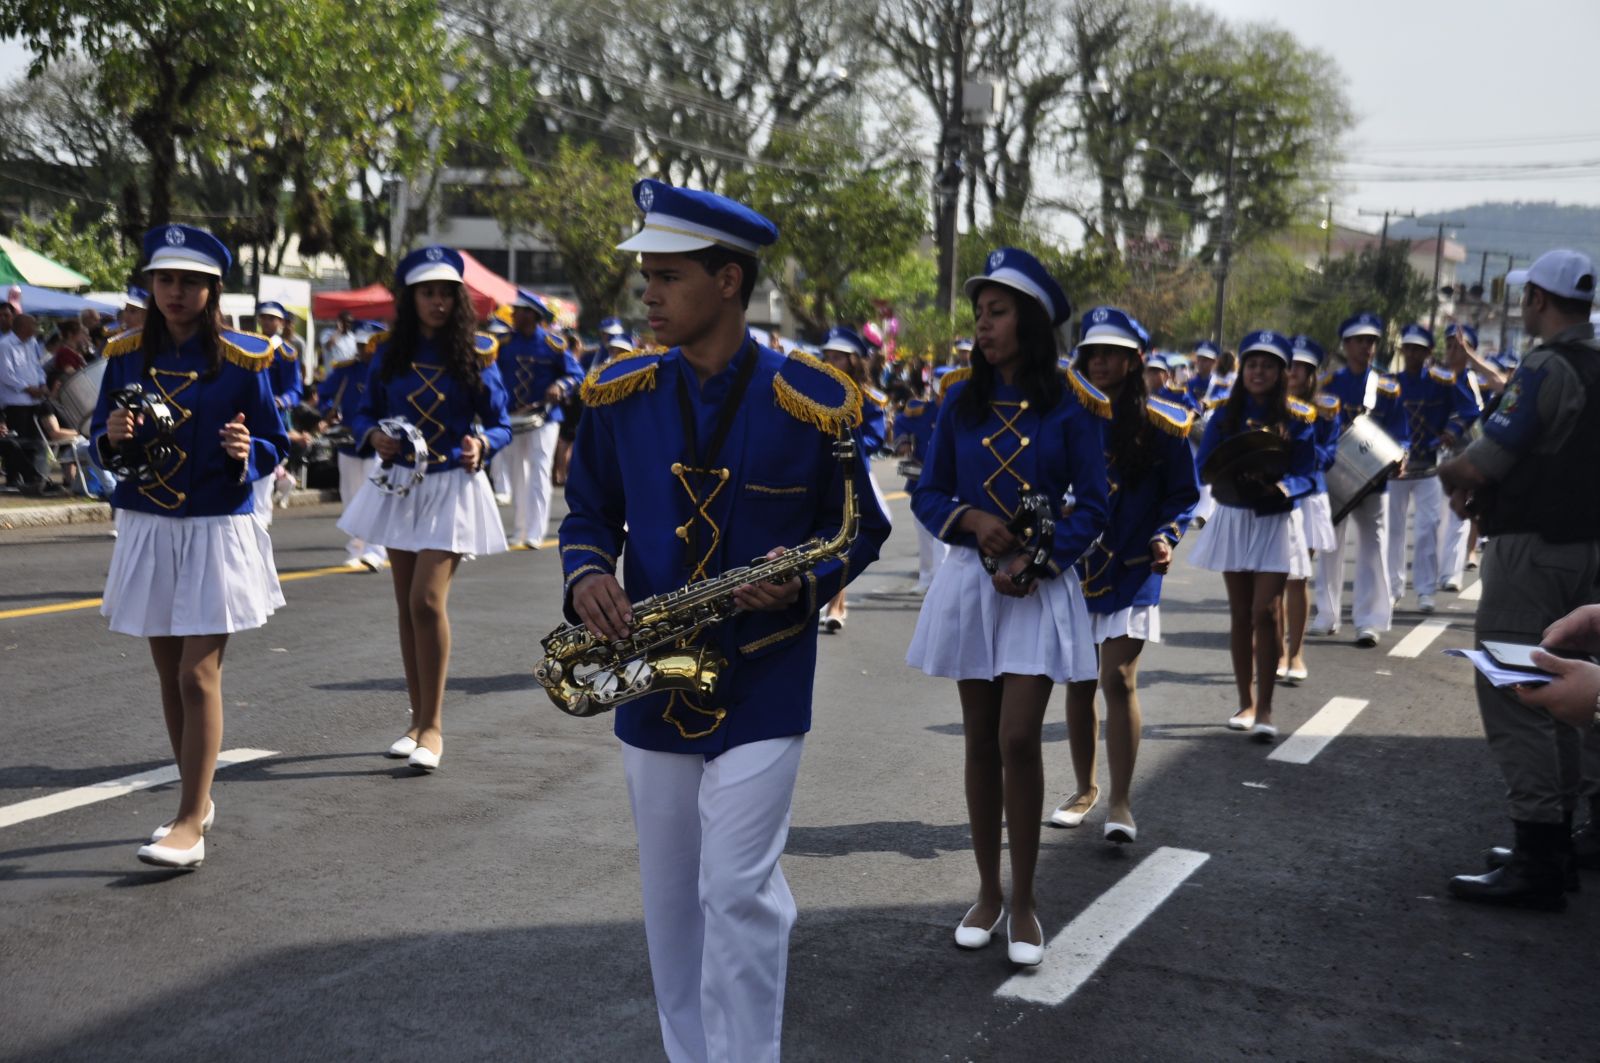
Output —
<point x="621" y="377"/>
<point x="282" y="349"/>
<point x="248" y="350"/>
<point x="1328" y="406"/>
<point x="956" y="376"/>
<point x="1443" y="376"/>
<point x="1171" y="418"/>
<point x="1302" y="411"/>
<point x="123" y="343"/>
<point x="345" y="363"/>
<point x="915" y="408"/>
<point x="810" y="390"/>
<point x="875" y="395"/>
<point x="556" y="340"/>
<point x="1092" y="398"/>
<point x="488" y="348"/>
<point x="1388" y="385"/>
<point x="374" y="340"/>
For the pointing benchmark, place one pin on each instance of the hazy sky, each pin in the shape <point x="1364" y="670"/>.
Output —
<point x="1514" y="80"/>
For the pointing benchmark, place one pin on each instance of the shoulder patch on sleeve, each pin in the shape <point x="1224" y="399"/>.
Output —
<point x="1218" y="398"/>
<point x="123" y="343"/>
<point x="1302" y="411"/>
<point x="1442" y="375"/>
<point x="875" y="395"/>
<point x="621" y="377"/>
<point x="1170" y="417"/>
<point x="1388" y="385"/>
<point x="248" y="350"/>
<point x="487" y="348"/>
<point x="914" y="408"/>
<point x="810" y="390"/>
<point x="555" y="340"/>
<point x="1091" y="397"/>
<point x="1328" y="406"/>
<point x="942" y="385"/>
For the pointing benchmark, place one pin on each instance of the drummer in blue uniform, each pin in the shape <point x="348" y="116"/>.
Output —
<point x="1153" y="490"/>
<point x="690" y="462"/>
<point x="339" y="396"/>
<point x="1361" y="389"/>
<point x="848" y="352"/>
<point x="540" y="372"/>
<point x="1429" y="395"/>
<point x="913" y="427"/>
<point x="436" y="372"/>
<point x="1019" y="432"/>
<point x="191" y="565"/>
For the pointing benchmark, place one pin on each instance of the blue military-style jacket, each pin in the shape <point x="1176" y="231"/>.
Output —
<point x="874" y="420"/>
<point x="1158" y="504"/>
<point x="341" y="392"/>
<point x="1325" y="438"/>
<point x="1016" y="450"/>
<point x="647" y="475"/>
<point x="1178" y="397"/>
<point x="1387" y="410"/>
<point x="287" y="385"/>
<point x="530" y="364"/>
<point x="1300" y="479"/>
<point x="1431" y="398"/>
<point x="915" y="422"/>
<point x="1468" y="408"/>
<point x="198" y="479"/>
<point x="444" y="409"/>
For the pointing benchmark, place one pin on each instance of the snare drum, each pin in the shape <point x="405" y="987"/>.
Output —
<point x="532" y="421"/>
<point x="1367" y="457"/>
<point x="75" y="399"/>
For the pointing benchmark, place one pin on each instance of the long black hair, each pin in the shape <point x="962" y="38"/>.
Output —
<point x="1038" y="374"/>
<point x="1128" y="441"/>
<point x="1276" y="402"/>
<point x="156" y="337"/>
<point x="455" y="340"/>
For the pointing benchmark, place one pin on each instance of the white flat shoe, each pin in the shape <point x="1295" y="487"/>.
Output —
<point x="1295" y="676"/>
<point x="1020" y="952"/>
<point x="1264" y="733"/>
<point x="424" y="758"/>
<point x="354" y="563"/>
<point x="1321" y="630"/>
<point x="1121" y="833"/>
<point x="205" y="824"/>
<point x="403" y="746"/>
<point x="1281" y="674"/>
<point x="167" y="856"/>
<point x="1241" y="720"/>
<point x="1063" y="816"/>
<point x="976" y="937"/>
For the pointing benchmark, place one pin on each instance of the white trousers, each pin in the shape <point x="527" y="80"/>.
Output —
<point x="1453" y="555"/>
<point x="931" y="552"/>
<point x="500" y="474"/>
<point x="1373" y="606"/>
<point x="528" y="461"/>
<point x="1425" y="498"/>
<point x="353" y="472"/>
<point x="717" y="910"/>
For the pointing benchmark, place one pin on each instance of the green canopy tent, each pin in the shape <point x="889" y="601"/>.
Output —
<point x="19" y="265"/>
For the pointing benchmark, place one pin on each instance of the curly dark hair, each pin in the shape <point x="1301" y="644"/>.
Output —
<point x="1276" y="402"/>
<point x="156" y="337"/>
<point x="455" y="341"/>
<point x="1038" y="374"/>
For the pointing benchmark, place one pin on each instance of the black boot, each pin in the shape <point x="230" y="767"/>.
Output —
<point x="1498" y="857"/>
<point x="1533" y="877"/>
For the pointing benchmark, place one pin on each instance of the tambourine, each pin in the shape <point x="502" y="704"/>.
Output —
<point x="1035" y="525"/>
<point x="392" y="478"/>
<point x="135" y="458"/>
<point x="910" y="469"/>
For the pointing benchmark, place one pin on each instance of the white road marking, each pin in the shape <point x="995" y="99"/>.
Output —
<point x="22" y="811"/>
<point x="1077" y="952"/>
<point x="1420" y="638"/>
<point x="1472" y="593"/>
<point x="1313" y="735"/>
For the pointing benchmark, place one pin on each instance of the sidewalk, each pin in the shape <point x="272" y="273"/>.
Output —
<point x="18" y="511"/>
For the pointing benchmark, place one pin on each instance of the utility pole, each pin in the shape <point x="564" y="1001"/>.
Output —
<point x="1383" y="237"/>
<point x="1327" y="238"/>
<point x="947" y="182"/>
<point x="1505" y="303"/>
<point x="1438" y="260"/>
<point x="1225" y="235"/>
<point x="1483" y="271"/>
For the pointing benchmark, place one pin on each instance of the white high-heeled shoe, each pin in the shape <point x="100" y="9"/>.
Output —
<point x="1264" y="732"/>
<point x="403" y="747"/>
<point x="1064" y="816"/>
<point x="167" y="856"/>
<point x="205" y="824"/>
<point x="1022" y="953"/>
<point x="424" y="758"/>
<point x="976" y="937"/>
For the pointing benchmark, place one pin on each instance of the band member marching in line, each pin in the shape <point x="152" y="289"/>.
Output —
<point x="1153" y="492"/>
<point x="1253" y="541"/>
<point x="846" y="351"/>
<point x="191" y="565"/>
<point x="1158" y="381"/>
<point x="287" y="389"/>
<point x="438" y="374"/>
<point x="540" y="372"/>
<point x="1461" y="345"/>
<point x="339" y="396"/>
<point x="1012" y="442"/>
<point x="1198" y="387"/>
<point x="697" y="459"/>
<point x="914" y="430"/>
<point x="1312" y="512"/>
<point x="1361" y="389"/>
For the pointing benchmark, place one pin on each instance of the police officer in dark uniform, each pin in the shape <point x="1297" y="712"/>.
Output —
<point x="1534" y="480"/>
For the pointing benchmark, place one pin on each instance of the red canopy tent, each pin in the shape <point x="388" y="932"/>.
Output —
<point x="487" y="288"/>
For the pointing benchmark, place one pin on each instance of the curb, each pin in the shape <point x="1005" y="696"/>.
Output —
<point x="100" y="512"/>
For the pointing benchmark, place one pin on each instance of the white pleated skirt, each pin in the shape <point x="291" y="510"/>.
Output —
<point x="1318" y="515"/>
<point x="969" y="630"/>
<point x="1135" y="622"/>
<point x="453" y="511"/>
<point x="1237" y="540"/>
<point x="1299" y="552"/>
<point x="190" y="575"/>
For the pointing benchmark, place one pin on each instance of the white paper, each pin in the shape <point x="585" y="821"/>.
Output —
<point x="1495" y="674"/>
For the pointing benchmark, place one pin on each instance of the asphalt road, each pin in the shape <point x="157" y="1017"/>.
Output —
<point x="348" y="909"/>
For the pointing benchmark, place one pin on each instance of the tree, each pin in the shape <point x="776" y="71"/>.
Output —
<point x="91" y="247"/>
<point x="1378" y="280"/>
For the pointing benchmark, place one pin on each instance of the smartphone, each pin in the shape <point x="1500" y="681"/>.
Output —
<point x="1520" y="657"/>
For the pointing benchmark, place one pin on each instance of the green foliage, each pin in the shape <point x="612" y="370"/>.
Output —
<point x="1381" y="281"/>
<point x="90" y="247"/>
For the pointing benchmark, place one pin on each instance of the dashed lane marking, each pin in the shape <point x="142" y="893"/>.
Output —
<point x="1077" y="952"/>
<point x="1472" y="593"/>
<point x="38" y="807"/>
<point x="1315" y="734"/>
<point x="1419" y="638"/>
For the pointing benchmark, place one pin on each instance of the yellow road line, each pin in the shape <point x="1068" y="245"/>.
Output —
<point x="42" y="610"/>
<point x="894" y="496"/>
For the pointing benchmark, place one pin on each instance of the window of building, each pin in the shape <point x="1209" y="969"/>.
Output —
<point x="539" y="267"/>
<point x="494" y="259"/>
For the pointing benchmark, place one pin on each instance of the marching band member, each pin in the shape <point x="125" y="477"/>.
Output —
<point x="339" y="396"/>
<point x="540" y="372"/>
<point x="287" y="389"/>
<point x="1428" y="396"/>
<point x="963" y="352"/>
<point x="1199" y="386"/>
<point x="1312" y="513"/>
<point x="1461" y="342"/>
<point x="191" y="565"/>
<point x="846" y="351"/>
<point x="1153" y="490"/>
<point x="1361" y="389"/>
<point x="1158" y="379"/>
<point x="689" y="462"/>
<point x="914" y="423"/>
<point x="1017" y="429"/>
<point x="1254" y="547"/>
<point x="438" y="373"/>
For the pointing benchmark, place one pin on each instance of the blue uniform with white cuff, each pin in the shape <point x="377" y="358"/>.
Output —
<point x="443" y="408"/>
<point x="341" y="392"/>
<point x="915" y="422"/>
<point x="287" y="386"/>
<point x="530" y="364"/>
<point x="1300" y="478"/>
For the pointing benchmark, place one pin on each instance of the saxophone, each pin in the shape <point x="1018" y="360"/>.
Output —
<point x="585" y="675"/>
